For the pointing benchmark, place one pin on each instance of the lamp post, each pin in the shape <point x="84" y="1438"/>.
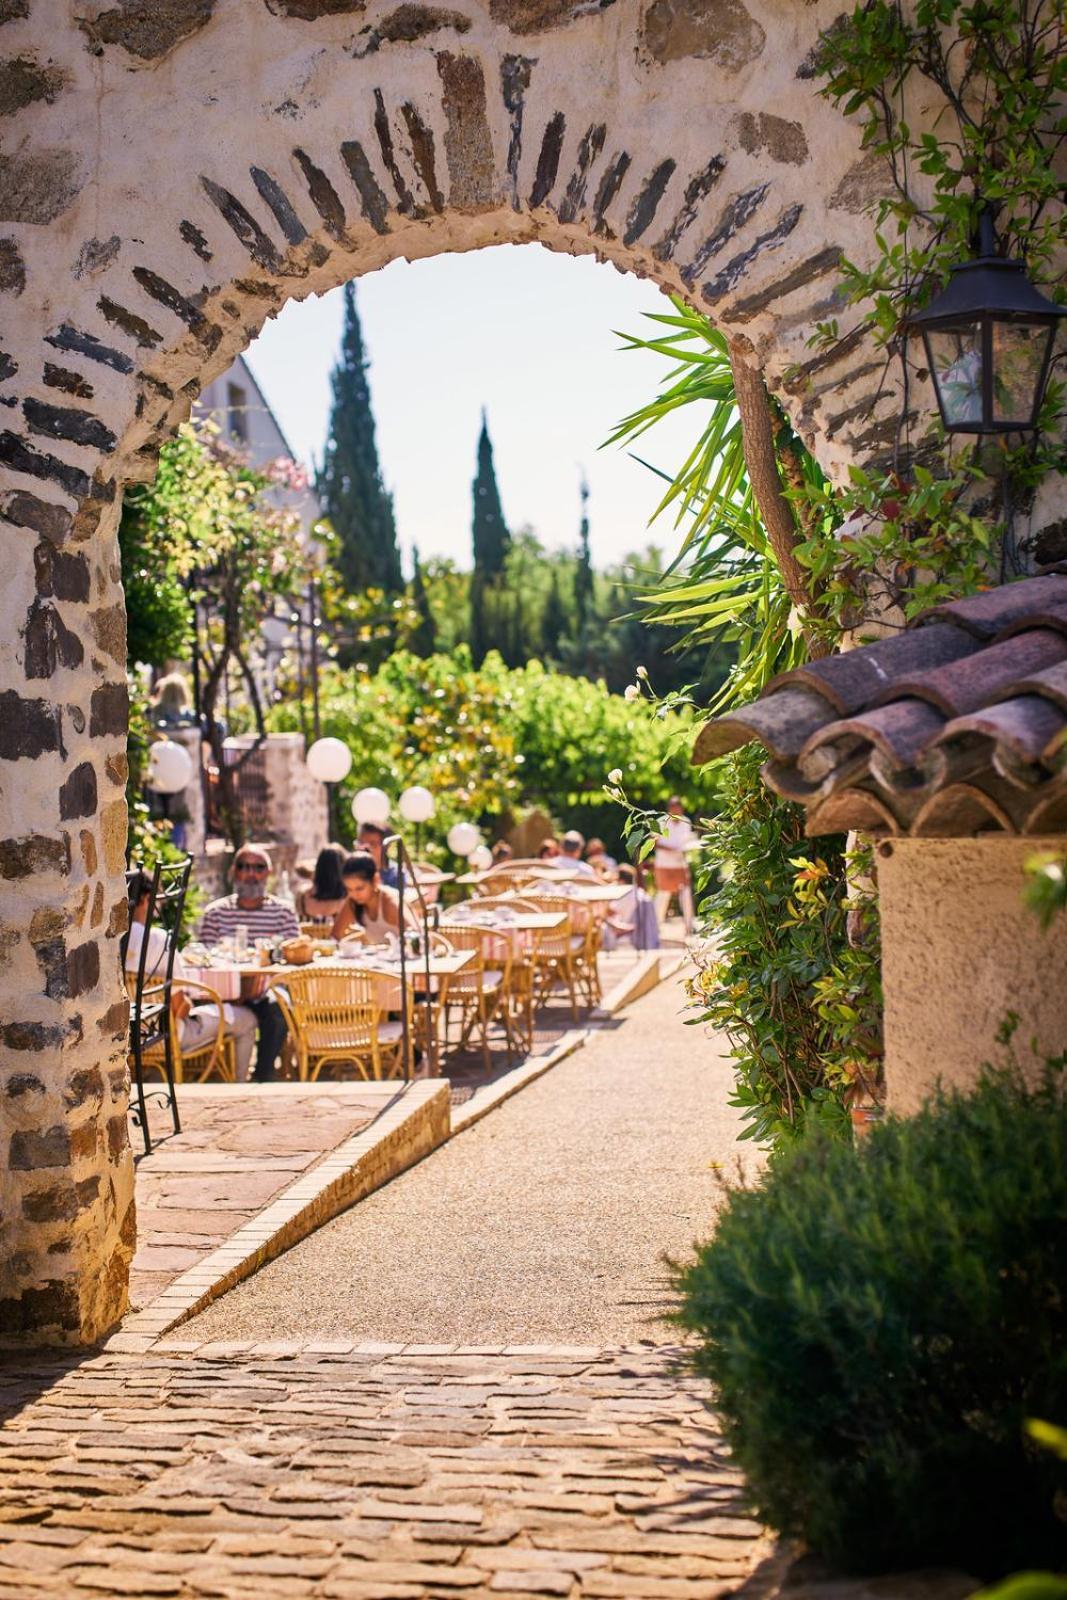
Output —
<point x="330" y="761"/>
<point x="417" y="805"/>
<point x="989" y="336"/>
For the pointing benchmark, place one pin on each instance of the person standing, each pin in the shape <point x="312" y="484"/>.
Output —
<point x="670" y="863"/>
<point x="265" y="917"/>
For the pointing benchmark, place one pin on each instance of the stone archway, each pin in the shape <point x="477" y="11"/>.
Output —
<point x="177" y="170"/>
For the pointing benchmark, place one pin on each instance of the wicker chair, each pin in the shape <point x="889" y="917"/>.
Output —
<point x="191" y="1065"/>
<point x="503" y="880"/>
<point x="568" y="957"/>
<point x="333" y="1019"/>
<point x="481" y="992"/>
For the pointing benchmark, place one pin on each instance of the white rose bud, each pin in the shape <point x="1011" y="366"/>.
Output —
<point x="632" y="692"/>
<point x="642" y="672"/>
<point x="615" y="776"/>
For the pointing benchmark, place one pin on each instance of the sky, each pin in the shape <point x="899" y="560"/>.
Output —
<point x="528" y="334"/>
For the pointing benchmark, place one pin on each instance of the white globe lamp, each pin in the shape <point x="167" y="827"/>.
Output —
<point x="170" y="767"/>
<point x="329" y="760"/>
<point x="463" y="838"/>
<point x="417" y="804"/>
<point x="371" y="805"/>
<point x="481" y="859"/>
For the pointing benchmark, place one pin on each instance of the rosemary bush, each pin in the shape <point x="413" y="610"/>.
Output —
<point x="879" y="1323"/>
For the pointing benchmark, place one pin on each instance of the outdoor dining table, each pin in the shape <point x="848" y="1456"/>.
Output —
<point x="244" y="981"/>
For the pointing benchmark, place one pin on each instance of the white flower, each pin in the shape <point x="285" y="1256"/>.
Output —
<point x="615" y="776"/>
<point x="642" y="672"/>
<point x="795" y="622"/>
<point x="632" y="691"/>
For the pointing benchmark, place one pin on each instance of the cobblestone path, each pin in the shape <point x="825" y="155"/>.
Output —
<point x="366" y="1473"/>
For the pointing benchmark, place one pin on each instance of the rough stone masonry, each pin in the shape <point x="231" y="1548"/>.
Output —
<point x="171" y="172"/>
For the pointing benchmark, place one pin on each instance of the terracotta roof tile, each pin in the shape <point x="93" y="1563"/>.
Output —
<point x="955" y="726"/>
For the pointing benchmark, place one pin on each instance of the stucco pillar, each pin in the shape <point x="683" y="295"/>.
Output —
<point x="961" y="950"/>
<point x="66" y="1173"/>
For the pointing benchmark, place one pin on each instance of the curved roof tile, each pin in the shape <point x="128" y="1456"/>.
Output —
<point x="957" y="725"/>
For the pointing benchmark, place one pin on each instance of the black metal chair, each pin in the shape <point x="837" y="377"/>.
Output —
<point x="150" y="991"/>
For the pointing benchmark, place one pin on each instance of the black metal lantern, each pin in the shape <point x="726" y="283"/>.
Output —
<point x="989" y="337"/>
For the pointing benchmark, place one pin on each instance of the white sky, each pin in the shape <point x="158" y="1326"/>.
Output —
<point x="521" y="330"/>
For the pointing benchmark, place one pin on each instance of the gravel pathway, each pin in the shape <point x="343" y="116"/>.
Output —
<point x="547" y="1222"/>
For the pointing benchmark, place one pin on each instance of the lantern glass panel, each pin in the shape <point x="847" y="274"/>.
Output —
<point x="955" y="356"/>
<point x="1019" y="350"/>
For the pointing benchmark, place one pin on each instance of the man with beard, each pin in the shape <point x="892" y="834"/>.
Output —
<point x="265" y="917"/>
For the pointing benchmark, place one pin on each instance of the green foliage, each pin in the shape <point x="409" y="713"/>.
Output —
<point x="724" y="584"/>
<point x="997" y="72"/>
<point x="149" y="838"/>
<point x="879" y="1322"/>
<point x="354" y="499"/>
<point x="800" y="1006"/>
<point x="1046" y="892"/>
<point x="490" y="741"/>
<point x="205" y="534"/>
<point x="422" y="636"/>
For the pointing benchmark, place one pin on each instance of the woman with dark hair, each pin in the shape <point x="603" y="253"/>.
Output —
<point x="326" y="895"/>
<point x="369" y="903"/>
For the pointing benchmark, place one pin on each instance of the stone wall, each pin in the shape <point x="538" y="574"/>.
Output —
<point x="174" y="173"/>
<point x="961" y="950"/>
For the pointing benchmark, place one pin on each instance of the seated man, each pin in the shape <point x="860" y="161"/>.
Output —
<point x="265" y="917"/>
<point x="197" y="1023"/>
<point x="372" y="839"/>
<point x="571" y="846"/>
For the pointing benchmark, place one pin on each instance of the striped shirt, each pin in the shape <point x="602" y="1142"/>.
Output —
<point x="271" y="920"/>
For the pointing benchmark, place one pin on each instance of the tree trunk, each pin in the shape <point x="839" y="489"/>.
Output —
<point x="757" y="428"/>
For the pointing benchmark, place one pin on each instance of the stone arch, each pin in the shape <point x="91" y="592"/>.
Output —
<point x="181" y="169"/>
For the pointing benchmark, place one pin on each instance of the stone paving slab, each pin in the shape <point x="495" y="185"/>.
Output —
<point x="343" y="1470"/>
<point x="208" y="1216"/>
<point x="240" y="1145"/>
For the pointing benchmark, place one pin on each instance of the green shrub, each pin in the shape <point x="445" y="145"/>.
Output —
<point x="880" y="1322"/>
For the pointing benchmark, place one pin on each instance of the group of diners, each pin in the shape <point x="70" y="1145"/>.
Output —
<point x="670" y="866"/>
<point x="355" y="894"/>
<point x="358" y="898"/>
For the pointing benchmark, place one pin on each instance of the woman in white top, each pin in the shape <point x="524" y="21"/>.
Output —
<point x="370" y="904"/>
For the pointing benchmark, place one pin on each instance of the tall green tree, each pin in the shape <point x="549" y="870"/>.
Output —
<point x="491" y="541"/>
<point x="583" y="573"/>
<point x="553" y="619"/>
<point x="350" y="485"/>
<point x="489" y="530"/>
<point x="422" y="639"/>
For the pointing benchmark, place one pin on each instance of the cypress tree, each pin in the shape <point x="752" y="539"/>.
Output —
<point x="491" y="541"/>
<point x="490" y="533"/>
<point x="423" y="637"/>
<point x="350" y="480"/>
<point x="583" y="572"/>
<point x="553" y="619"/>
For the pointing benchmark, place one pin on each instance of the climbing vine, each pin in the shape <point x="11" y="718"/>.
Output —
<point x="938" y="518"/>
